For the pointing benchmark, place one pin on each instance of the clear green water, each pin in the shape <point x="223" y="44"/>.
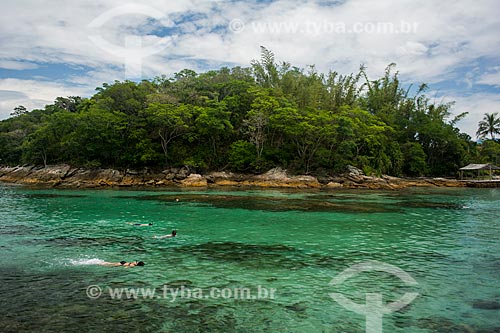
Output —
<point x="295" y="242"/>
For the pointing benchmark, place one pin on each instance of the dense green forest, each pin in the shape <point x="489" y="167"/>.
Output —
<point x="249" y="120"/>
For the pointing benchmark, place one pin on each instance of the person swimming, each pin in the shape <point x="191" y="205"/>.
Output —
<point x="173" y="234"/>
<point x="140" y="224"/>
<point x="123" y="263"/>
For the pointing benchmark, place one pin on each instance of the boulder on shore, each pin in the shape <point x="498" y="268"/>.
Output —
<point x="194" y="180"/>
<point x="278" y="177"/>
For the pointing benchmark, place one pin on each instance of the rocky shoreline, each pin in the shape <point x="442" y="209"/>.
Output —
<point x="65" y="176"/>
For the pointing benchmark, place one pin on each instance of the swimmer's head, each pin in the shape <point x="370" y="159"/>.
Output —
<point x="123" y="263"/>
<point x="140" y="263"/>
<point x="151" y="224"/>
<point x="174" y="232"/>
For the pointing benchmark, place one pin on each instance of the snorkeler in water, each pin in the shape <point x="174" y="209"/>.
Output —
<point x="173" y="234"/>
<point x="123" y="263"/>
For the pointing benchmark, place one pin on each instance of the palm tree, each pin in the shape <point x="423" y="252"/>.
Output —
<point x="489" y="125"/>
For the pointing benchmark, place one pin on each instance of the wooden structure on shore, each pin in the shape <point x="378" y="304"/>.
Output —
<point x="478" y="168"/>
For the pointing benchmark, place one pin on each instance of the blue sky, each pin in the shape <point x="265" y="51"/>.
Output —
<point x="64" y="48"/>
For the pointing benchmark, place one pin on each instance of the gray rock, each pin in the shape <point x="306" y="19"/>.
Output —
<point x="275" y="174"/>
<point x="353" y="171"/>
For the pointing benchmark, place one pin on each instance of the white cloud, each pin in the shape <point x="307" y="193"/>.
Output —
<point x="449" y="32"/>
<point x="492" y="79"/>
<point x="32" y="94"/>
<point x="17" y="65"/>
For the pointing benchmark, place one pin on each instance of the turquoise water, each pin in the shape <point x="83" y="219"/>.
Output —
<point x="293" y="242"/>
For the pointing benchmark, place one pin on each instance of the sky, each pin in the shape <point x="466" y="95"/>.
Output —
<point x="68" y="48"/>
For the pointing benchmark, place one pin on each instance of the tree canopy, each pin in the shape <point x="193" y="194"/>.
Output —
<point x="247" y="120"/>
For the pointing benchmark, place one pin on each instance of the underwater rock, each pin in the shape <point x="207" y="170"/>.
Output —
<point x="257" y="256"/>
<point x="274" y="204"/>
<point x="178" y="283"/>
<point x="296" y="307"/>
<point x="428" y="204"/>
<point x="488" y="330"/>
<point x="486" y="305"/>
<point x="17" y="229"/>
<point x="52" y="195"/>
<point x="444" y="325"/>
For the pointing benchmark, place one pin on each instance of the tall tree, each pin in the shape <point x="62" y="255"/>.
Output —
<point x="490" y="125"/>
<point x="212" y="124"/>
<point x="265" y="71"/>
<point x="19" y="111"/>
<point x="169" y="122"/>
<point x="257" y="121"/>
